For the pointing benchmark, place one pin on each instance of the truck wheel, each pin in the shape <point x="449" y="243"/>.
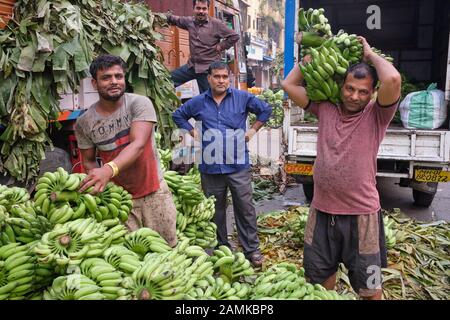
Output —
<point x="423" y="199"/>
<point x="308" y="190"/>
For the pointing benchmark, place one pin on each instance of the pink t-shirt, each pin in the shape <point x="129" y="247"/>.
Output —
<point x="346" y="163"/>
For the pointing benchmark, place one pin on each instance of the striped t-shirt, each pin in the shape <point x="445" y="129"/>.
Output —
<point x="109" y="135"/>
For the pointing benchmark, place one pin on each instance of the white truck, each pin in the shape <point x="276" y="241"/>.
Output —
<point x="419" y="158"/>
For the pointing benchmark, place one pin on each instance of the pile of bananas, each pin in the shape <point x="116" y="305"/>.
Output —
<point x="211" y="288"/>
<point x="299" y="225"/>
<point x="74" y="287"/>
<point x="24" y="224"/>
<point x="145" y="240"/>
<point x="107" y="277"/>
<point x="285" y="281"/>
<point x="231" y="265"/>
<point x="16" y="271"/>
<point x="314" y="20"/>
<point x="201" y="233"/>
<point x="122" y="259"/>
<point x="72" y="242"/>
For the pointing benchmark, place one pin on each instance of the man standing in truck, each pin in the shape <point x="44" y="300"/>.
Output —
<point x="120" y="128"/>
<point x="222" y="115"/>
<point x="345" y="222"/>
<point x="208" y="37"/>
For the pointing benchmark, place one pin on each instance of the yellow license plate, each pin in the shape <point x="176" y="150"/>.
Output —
<point x="432" y="175"/>
<point x="299" y="168"/>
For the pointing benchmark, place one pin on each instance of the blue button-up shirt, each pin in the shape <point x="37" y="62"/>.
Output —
<point x="223" y="128"/>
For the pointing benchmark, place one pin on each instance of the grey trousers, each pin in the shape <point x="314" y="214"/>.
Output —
<point x="244" y="210"/>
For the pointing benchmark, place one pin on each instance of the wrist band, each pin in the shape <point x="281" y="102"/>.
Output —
<point x="114" y="168"/>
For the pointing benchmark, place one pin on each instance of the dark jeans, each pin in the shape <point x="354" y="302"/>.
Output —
<point x="244" y="210"/>
<point x="184" y="74"/>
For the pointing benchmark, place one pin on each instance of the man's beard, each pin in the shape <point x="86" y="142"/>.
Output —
<point x="107" y="97"/>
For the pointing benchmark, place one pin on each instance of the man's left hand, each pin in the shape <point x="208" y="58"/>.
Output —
<point x="97" y="179"/>
<point x="249" y="134"/>
<point x="218" y="48"/>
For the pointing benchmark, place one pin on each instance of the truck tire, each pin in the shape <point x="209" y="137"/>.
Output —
<point x="53" y="159"/>
<point x="308" y="190"/>
<point x="423" y="199"/>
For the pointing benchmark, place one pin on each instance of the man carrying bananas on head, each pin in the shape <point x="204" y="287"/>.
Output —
<point x="345" y="222"/>
<point x="120" y="128"/>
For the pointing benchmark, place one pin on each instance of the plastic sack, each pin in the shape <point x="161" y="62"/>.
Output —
<point x="425" y="109"/>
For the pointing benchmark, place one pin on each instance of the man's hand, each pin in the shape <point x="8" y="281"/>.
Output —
<point x="306" y="59"/>
<point x="367" y="51"/>
<point x="194" y="134"/>
<point x="218" y="48"/>
<point x="249" y="134"/>
<point x="97" y="178"/>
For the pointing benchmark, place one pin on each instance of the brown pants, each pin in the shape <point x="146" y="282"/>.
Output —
<point x="155" y="211"/>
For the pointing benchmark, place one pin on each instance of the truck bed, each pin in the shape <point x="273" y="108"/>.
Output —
<point x="399" y="144"/>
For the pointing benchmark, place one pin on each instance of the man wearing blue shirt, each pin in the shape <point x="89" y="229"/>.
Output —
<point x="221" y="112"/>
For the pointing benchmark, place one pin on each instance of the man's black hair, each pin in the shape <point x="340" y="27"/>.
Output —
<point x="105" y="62"/>
<point x="218" y="65"/>
<point x="363" y="70"/>
<point x="195" y="1"/>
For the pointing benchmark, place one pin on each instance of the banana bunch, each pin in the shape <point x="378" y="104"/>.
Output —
<point x="122" y="259"/>
<point x="212" y="288"/>
<point x="26" y="224"/>
<point x="231" y="265"/>
<point x="389" y="231"/>
<point x="70" y="243"/>
<point x="323" y="72"/>
<point x="185" y="187"/>
<point x="115" y="202"/>
<point x="12" y="195"/>
<point x="58" y="200"/>
<point x="74" y="287"/>
<point x="349" y="45"/>
<point x="165" y="156"/>
<point x="181" y="221"/>
<point x="285" y="281"/>
<point x="204" y="211"/>
<point x="314" y="20"/>
<point x="17" y="273"/>
<point x="163" y="276"/>
<point x="145" y="240"/>
<point x="194" y="173"/>
<point x="202" y="233"/>
<point x="108" y="278"/>
<point x="299" y="225"/>
<point x="6" y="231"/>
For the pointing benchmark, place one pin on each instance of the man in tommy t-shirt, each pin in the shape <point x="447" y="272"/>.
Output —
<point x="345" y="223"/>
<point x="120" y="129"/>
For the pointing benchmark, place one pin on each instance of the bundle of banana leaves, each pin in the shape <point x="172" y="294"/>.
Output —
<point x="46" y="50"/>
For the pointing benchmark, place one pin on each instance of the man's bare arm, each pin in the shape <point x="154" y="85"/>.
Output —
<point x="390" y="79"/>
<point x="293" y="86"/>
